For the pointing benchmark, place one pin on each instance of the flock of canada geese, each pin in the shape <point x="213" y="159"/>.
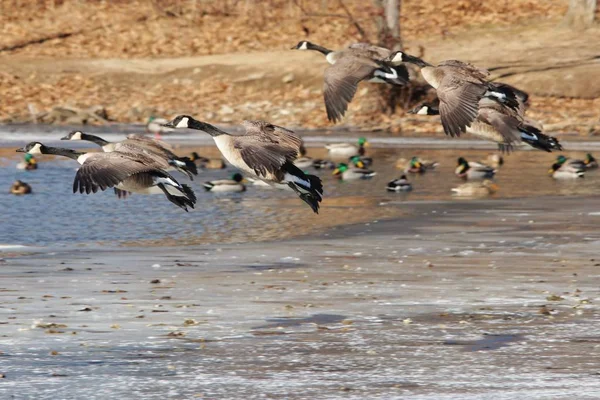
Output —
<point x="468" y="103"/>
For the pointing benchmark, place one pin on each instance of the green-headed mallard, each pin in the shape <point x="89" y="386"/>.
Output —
<point x="473" y="170"/>
<point x="475" y="189"/>
<point x="226" y="185"/>
<point x="577" y="164"/>
<point x="343" y="151"/>
<point x="590" y="162"/>
<point x="566" y="170"/>
<point x="29" y="163"/>
<point x="360" y="161"/>
<point x="352" y="174"/>
<point x="399" y="185"/>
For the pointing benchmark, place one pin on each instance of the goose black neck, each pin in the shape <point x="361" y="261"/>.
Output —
<point x="318" y="48"/>
<point x="94" y="139"/>
<point x="204" y="127"/>
<point x="60" y="151"/>
<point x="415" y="60"/>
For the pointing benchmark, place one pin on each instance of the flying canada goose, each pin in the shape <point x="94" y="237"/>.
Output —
<point x="358" y="62"/>
<point x="500" y="124"/>
<point x="132" y="172"/>
<point x="473" y="170"/>
<point x="566" y="170"/>
<point x="226" y="185"/>
<point x="475" y="189"/>
<point x="459" y="86"/>
<point x="150" y="147"/>
<point x="346" y="173"/>
<point x="399" y="185"/>
<point x="20" y="188"/>
<point x="343" y="151"/>
<point x="266" y="151"/>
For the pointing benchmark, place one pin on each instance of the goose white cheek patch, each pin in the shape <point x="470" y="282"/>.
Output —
<point x="183" y="123"/>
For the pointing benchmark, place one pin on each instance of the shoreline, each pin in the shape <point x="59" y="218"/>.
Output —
<point x="433" y="306"/>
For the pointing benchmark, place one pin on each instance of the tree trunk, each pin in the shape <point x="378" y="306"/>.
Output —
<point x="581" y="13"/>
<point x="388" y="23"/>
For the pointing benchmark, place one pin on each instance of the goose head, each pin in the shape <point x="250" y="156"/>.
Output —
<point x="33" y="148"/>
<point x="180" y="121"/>
<point x="424" y="109"/>
<point x="398" y="57"/>
<point x="303" y="45"/>
<point x="75" y="135"/>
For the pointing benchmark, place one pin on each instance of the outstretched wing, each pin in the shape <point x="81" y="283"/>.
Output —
<point x="341" y="81"/>
<point x="459" y="103"/>
<point x="105" y="170"/>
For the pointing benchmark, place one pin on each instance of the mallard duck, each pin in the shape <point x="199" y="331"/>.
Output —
<point x="562" y="160"/>
<point x="473" y="170"/>
<point x="590" y="162"/>
<point x="265" y="151"/>
<point x="207" y="163"/>
<point x="303" y="161"/>
<point x="157" y="126"/>
<point x="226" y="185"/>
<point x="493" y="160"/>
<point x="566" y="171"/>
<point x="475" y="189"/>
<point x="323" y="164"/>
<point x="351" y="174"/>
<point x="399" y="185"/>
<point x="343" y="151"/>
<point x="360" y="161"/>
<point x="413" y="165"/>
<point x="20" y="187"/>
<point x="29" y="163"/>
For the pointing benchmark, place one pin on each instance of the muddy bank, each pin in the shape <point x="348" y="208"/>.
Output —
<point x="494" y="299"/>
